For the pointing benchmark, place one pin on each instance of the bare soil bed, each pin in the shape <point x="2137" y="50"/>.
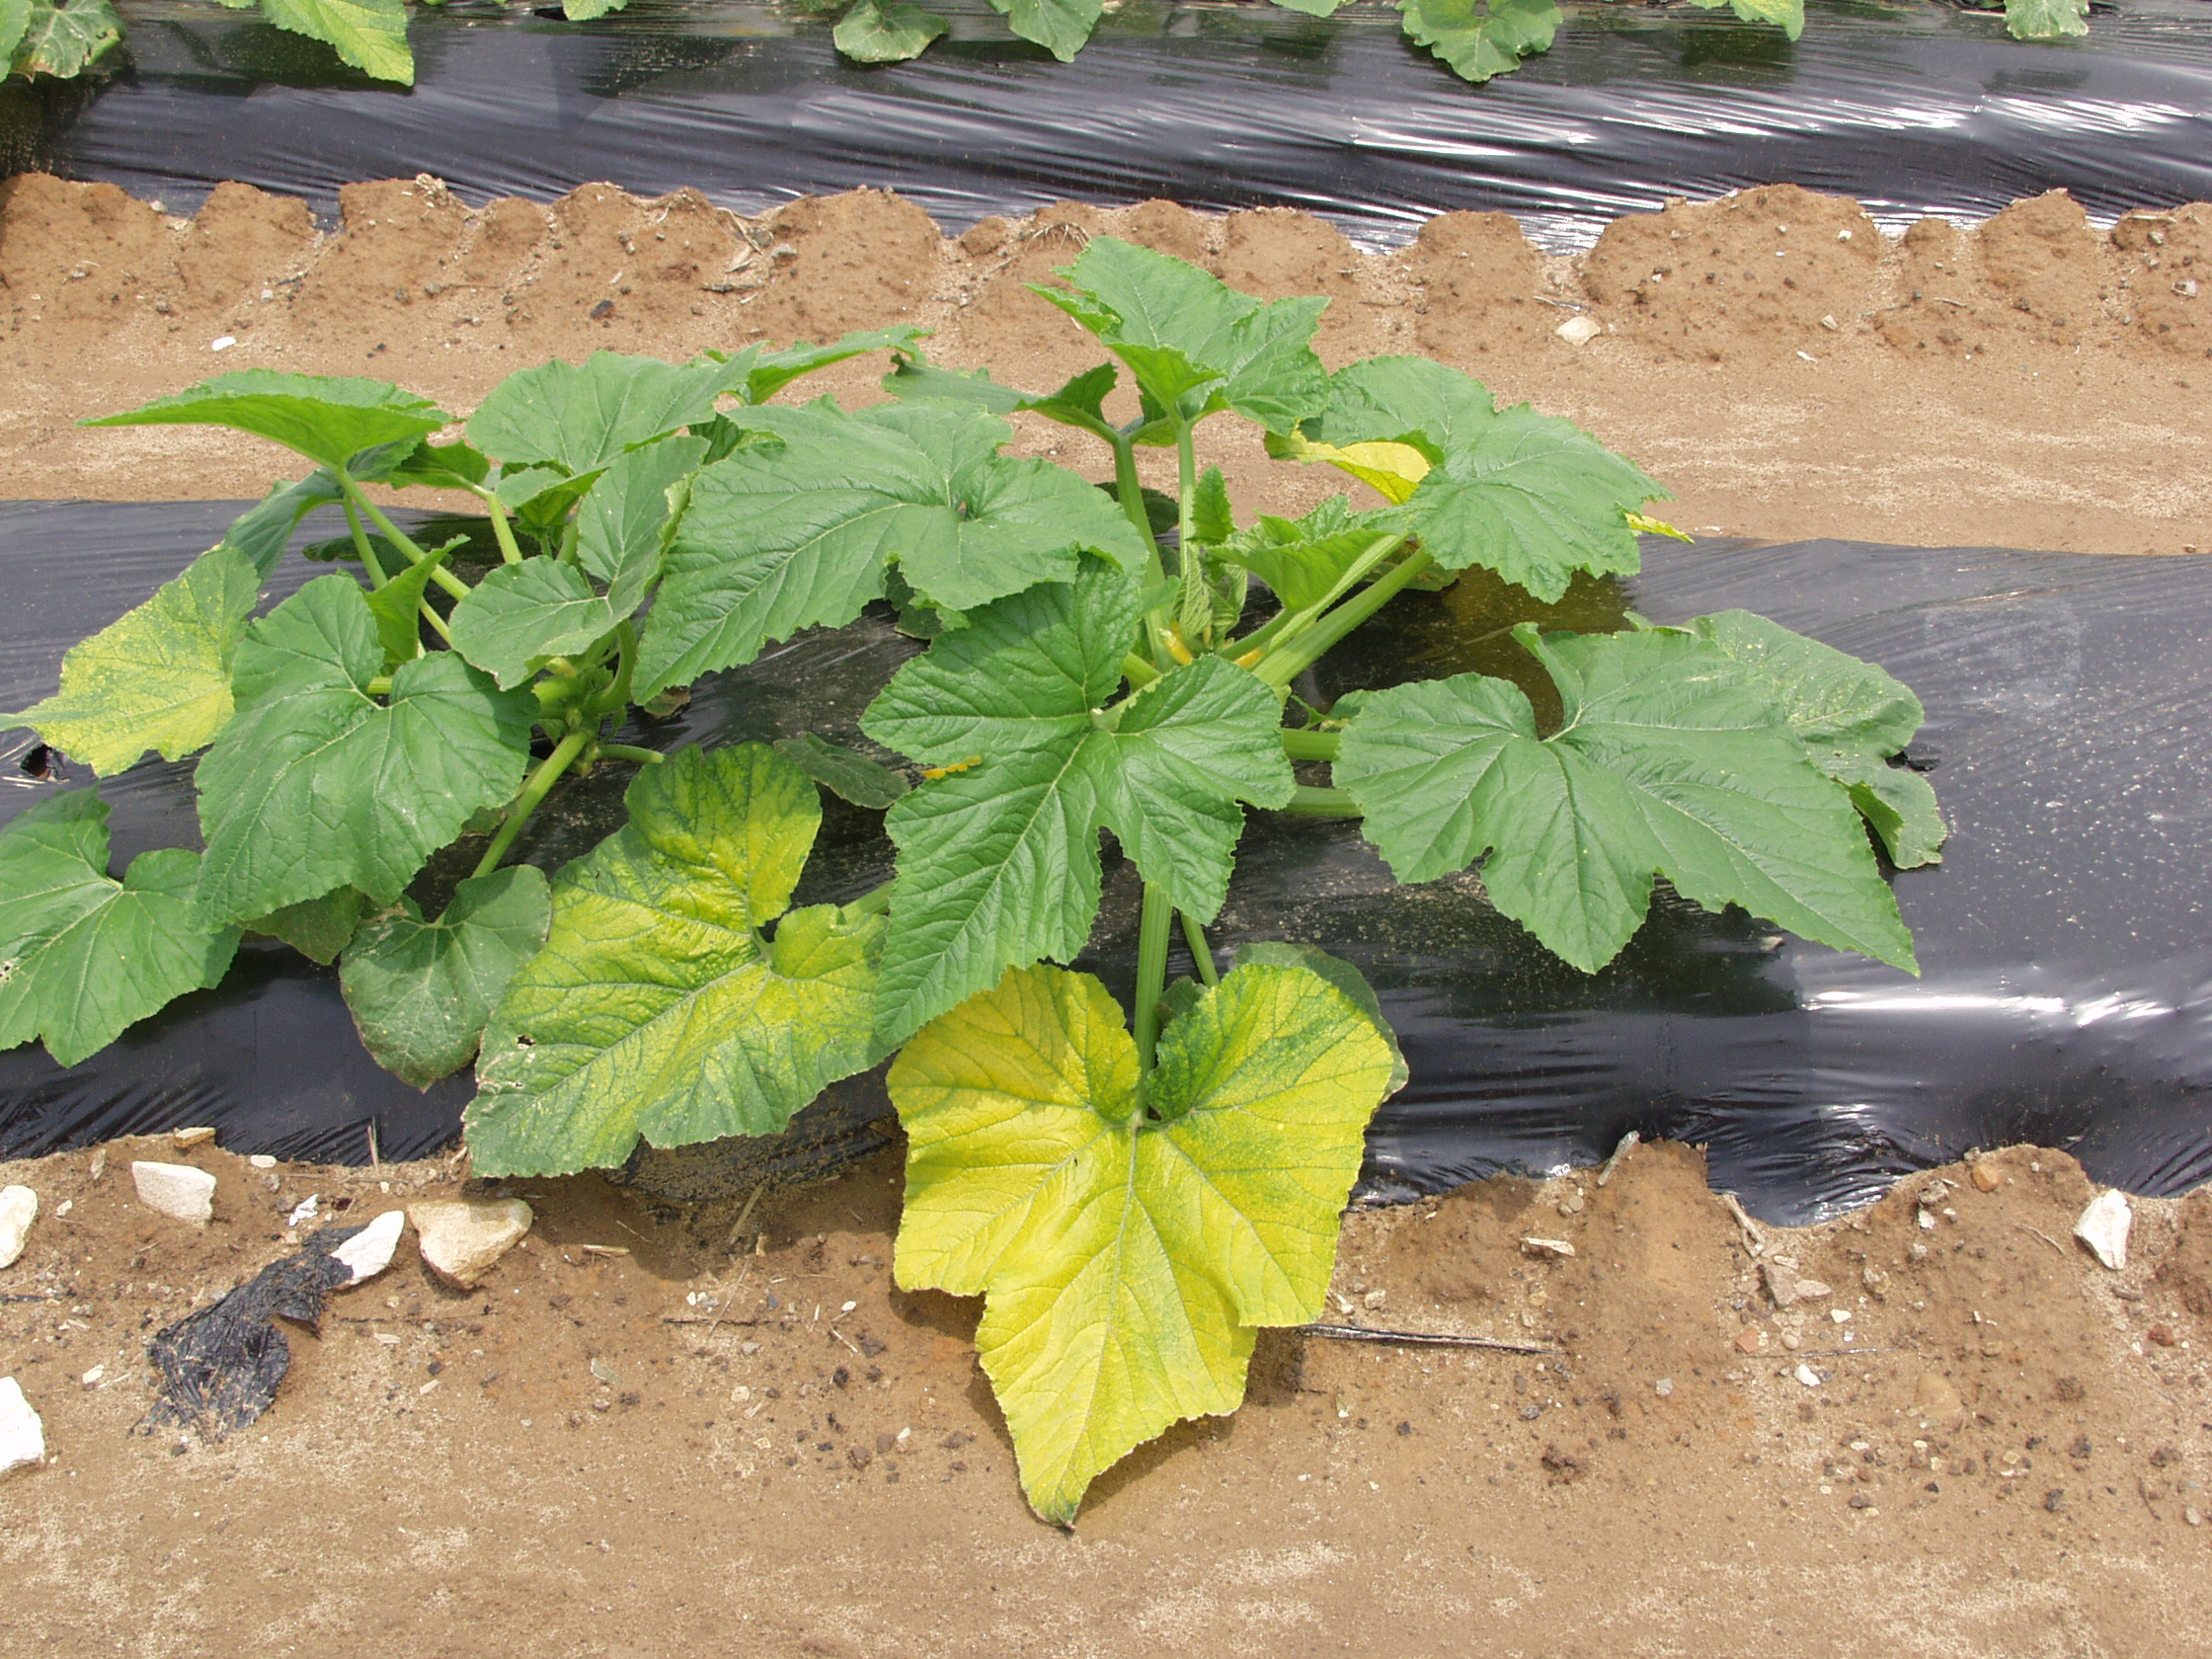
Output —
<point x="741" y="1437"/>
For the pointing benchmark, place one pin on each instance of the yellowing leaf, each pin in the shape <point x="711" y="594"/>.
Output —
<point x="1643" y="524"/>
<point x="1127" y="1253"/>
<point x="1393" y="469"/>
<point x="156" y="678"/>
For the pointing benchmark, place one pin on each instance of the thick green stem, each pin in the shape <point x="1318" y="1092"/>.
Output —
<point x="1132" y="494"/>
<point x="1202" y="954"/>
<point x="1152" y="970"/>
<point x="362" y="546"/>
<point x="535" y="789"/>
<point x="1307" y="801"/>
<point x="873" y="903"/>
<point x="616" y="698"/>
<point x="630" y="752"/>
<point x="398" y="539"/>
<point x="1311" y="745"/>
<point x="1138" y="673"/>
<point x="1293" y="658"/>
<point x="502" y="531"/>
<point x="1290" y="623"/>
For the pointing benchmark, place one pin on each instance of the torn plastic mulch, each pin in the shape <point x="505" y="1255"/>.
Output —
<point x="1921" y="109"/>
<point x="2066" y="999"/>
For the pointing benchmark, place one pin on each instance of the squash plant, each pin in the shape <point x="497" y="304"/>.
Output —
<point x="1134" y="1193"/>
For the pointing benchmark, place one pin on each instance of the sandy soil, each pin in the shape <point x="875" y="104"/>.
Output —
<point x="2002" y="1447"/>
<point x="778" y="1454"/>
<point x="1782" y="366"/>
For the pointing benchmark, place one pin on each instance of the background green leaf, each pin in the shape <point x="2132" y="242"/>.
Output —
<point x="1127" y="1260"/>
<point x="887" y="34"/>
<point x="578" y="416"/>
<point x="15" y="18"/>
<point x="1480" y="38"/>
<point x="262" y="532"/>
<point x="655" y="1008"/>
<point x="370" y="34"/>
<point x="63" y="39"/>
<point x="844" y="773"/>
<point x="1061" y="26"/>
<point x="82" y="955"/>
<point x="315" y="784"/>
<point x="157" y="678"/>
<point x="1788" y="14"/>
<point x="420" y="992"/>
<point x="1666" y="763"/>
<point x="2046" y="20"/>
<point x="319" y="929"/>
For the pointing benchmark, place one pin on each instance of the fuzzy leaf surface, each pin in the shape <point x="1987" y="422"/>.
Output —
<point x="420" y="992"/>
<point x="780" y="537"/>
<point x="578" y="416"/>
<point x="62" y="41"/>
<point x="1666" y="764"/>
<point x="315" y="784"/>
<point x="655" y="1008"/>
<point x="1127" y="1260"/>
<point x="157" y="678"/>
<point x="1195" y="344"/>
<point x="324" y="419"/>
<point x="370" y="34"/>
<point x="1480" y="38"/>
<point x="82" y="955"/>
<point x="1851" y="716"/>
<point x="998" y="860"/>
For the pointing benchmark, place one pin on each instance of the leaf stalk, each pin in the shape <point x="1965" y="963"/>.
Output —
<point x="534" y="790"/>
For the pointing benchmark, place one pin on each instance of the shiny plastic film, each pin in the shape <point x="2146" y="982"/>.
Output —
<point x="1913" y="110"/>
<point x="2065" y="995"/>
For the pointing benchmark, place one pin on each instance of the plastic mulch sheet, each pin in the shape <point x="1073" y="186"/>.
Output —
<point x="1911" y="109"/>
<point x="2067" y="988"/>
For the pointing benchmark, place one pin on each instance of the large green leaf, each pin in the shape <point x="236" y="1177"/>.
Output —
<point x="370" y="34"/>
<point x="1080" y="403"/>
<point x="1480" y="38"/>
<point x="1788" y="14"/>
<point x="520" y="615"/>
<point x="83" y="955"/>
<point x="796" y="534"/>
<point x="1404" y="400"/>
<point x="1274" y="953"/>
<point x="421" y="991"/>
<point x="1534" y="499"/>
<point x="1128" y="1256"/>
<point x="1061" y="26"/>
<point x="320" y="928"/>
<point x="2046" y="20"/>
<point x="156" y="678"/>
<point x="323" y="419"/>
<point x="656" y="1009"/>
<point x="578" y="416"/>
<point x="315" y="783"/>
<point x="1852" y="715"/>
<point x="61" y="39"/>
<point x="15" y="18"/>
<point x="1666" y="763"/>
<point x="1195" y="344"/>
<point x="887" y="34"/>
<point x="998" y="858"/>
<point x="1303" y="559"/>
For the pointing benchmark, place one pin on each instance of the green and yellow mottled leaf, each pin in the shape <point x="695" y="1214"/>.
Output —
<point x="420" y="992"/>
<point x="157" y="678"/>
<point x="60" y="40"/>
<point x="1128" y="1256"/>
<point x="656" y="1008"/>
<point x="82" y="955"/>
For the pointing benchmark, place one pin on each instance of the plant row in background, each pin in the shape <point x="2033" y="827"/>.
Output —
<point x="1477" y="38"/>
<point x="1135" y="1192"/>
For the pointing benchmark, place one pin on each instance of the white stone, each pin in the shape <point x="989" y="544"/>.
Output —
<point x="176" y="1189"/>
<point x="18" y="1207"/>
<point x="192" y="1136"/>
<point x="461" y="1238"/>
<point x="1807" y="1374"/>
<point x="369" y="1251"/>
<point x="23" y="1438"/>
<point x="1547" y="1246"/>
<point x="262" y="1160"/>
<point x="1579" y="331"/>
<point x="2104" y="1226"/>
<point x="305" y="1210"/>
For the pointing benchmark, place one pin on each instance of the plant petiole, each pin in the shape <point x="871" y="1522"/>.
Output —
<point x="1202" y="954"/>
<point x="1307" y="801"/>
<point x="1293" y="658"/>
<point x="398" y="539"/>
<point x="873" y="903"/>
<point x="1152" y="970"/>
<point x="629" y="751"/>
<point x="502" y="531"/>
<point x="1138" y="673"/>
<point x="535" y="788"/>
<point x="1292" y="623"/>
<point x="362" y="546"/>
<point x="617" y="696"/>
<point x="1309" y="745"/>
